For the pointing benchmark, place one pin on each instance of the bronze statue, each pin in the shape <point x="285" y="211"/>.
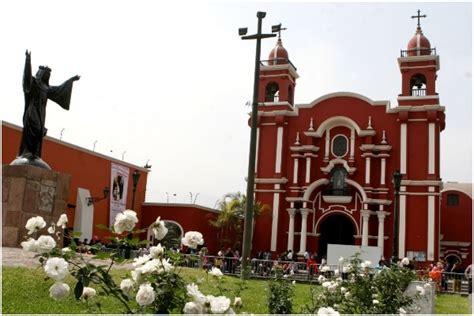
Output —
<point x="37" y="91"/>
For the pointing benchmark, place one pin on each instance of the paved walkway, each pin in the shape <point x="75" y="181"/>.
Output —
<point x="17" y="257"/>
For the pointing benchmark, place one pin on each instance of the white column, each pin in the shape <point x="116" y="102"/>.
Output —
<point x="367" y="170"/>
<point x="304" y="229"/>
<point x="279" y="147"/>
<point x="328" y="140"/>
<point x="295" y="171"/>
<point x="431" y="148"/>
<point x="308" y="169"/>
<point x="365" y="227"/>
<point x="402" y="223"/>
<point x="431" y="224"/>
<point x="276" y="206"/>
<point x="381" y="233"/>
<point x="403" y="148"/>
<point x="382" y="171"/>
<point x="291" y="229"/>
<point x="352" y="144"/>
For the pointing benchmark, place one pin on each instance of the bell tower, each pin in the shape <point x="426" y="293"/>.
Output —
<point x="278" y="78"/>
<point x="418" y="66"/>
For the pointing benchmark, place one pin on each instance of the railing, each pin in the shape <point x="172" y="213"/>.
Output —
<point x="418" y="52"/>
<point x="418" y="92"/>
<point x="276" y="61"/>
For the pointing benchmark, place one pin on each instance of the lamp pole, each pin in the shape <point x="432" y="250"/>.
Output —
<point x="136" y="177"/>
<point x="397" y="180"/>
<point x="253" y="142"/>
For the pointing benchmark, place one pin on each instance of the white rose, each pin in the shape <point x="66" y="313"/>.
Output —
<point x="125" y="221"/>
<point x="156" y="251"/>
<point x="321" y="279"/>
<point x="347" y="295"/>
<point x="375" y="295"/>
<point x="159" y="229"/>
<point x="56" y="268"/>
<point x="327" y="311"/>
<point x="238" y="301"/>
<point x="402" y="311"/>
<point x="375" y="302"/>
<point x="150" y="266"/>
<point x="405" y="261"/>
<point x="165" y="266"/>
<point x="126" y="286"/>
<point x="140" y="261"/>
<point x="325" y="269"/>
<point x="51" y="229"/>
<point x="192" y="239"/>
<point x="343" y="290"/>
<point x="341" y="260"/>
<point x="66" y="250"/>
<point x="62" y="221"/>
<point x="216" y="272"/>
<point x="59" y="290"/>
<point x="145" y="295"/>
<point x="363" y="265"/>
<point x="326" y="284"/>
<point x="34" y="224"/>
<point x="195" y="294"/>
<point x="219" y="305"/>
<point x="368" y="262"/>
<point x="421" y="290"/>
<point x="88" y="293"/>
<point x="29" y="245"/>
<point x="45" y="243"/>
<point x="336" y="273"/>
<point x="192" y="308"/>
<point x="137" y="275"/>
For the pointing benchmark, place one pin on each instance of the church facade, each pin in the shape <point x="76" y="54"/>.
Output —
<point x="326" y="167"/>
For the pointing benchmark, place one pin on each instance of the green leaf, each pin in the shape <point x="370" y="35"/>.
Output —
<point x="102" y="226"/>
<point x="76" y="234"/>
<point x="78" y="290"/>
<point x="102" y="255"/>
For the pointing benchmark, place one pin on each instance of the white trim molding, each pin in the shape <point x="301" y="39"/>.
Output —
<point x="279" y="148"/>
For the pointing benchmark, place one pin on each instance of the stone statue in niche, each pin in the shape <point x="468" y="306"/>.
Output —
<point x="37" y="91"/>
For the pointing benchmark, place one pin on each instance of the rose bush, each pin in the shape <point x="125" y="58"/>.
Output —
<point x="154" y="285"/>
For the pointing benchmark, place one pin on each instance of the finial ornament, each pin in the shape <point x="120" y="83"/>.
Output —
<point x="311" y="125"/>
<point x="370" y="123"/>
<point x="384" y="140"/>
<point x="297" y="142"/>
<point x="418" y="16"/>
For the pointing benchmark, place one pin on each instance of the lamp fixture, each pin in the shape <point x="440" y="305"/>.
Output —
<point x="92" y="200"/>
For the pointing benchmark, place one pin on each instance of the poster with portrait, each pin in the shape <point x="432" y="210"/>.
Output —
<point x="118" y="190"/>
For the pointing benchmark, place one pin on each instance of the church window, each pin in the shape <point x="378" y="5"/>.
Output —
<point x="418" y="85"/>
<point x="453" y="199"/>
<point x="339" y="146"/>
<point x="290" y="95"/>
<point x="272" y="92"/>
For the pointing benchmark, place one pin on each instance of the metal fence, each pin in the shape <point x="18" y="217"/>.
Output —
<point x="449" y="282"/>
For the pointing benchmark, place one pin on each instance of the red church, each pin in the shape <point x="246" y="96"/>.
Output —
<point x="326" y="167"/>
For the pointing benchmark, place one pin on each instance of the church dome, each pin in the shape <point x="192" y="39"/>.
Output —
<point x="419" y="44"/>
<point x="278" y="54"/>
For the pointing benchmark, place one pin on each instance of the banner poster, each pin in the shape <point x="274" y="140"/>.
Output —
<point x="118" y="191"/>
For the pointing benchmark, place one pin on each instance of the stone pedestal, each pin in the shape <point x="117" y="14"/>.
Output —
<point x="426" y="303"/>
<point x="29" y="191"/>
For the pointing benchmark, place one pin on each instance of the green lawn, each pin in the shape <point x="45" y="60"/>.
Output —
<point x="26" y="291"/>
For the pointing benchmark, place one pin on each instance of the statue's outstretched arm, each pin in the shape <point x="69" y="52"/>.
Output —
<point x="27" y="76"/>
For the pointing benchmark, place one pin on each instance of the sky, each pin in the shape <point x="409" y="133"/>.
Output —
<point x="168" y="82"/>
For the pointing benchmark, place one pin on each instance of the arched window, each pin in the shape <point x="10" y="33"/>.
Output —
<point x="272" y="92"/>
<point x="338" y="183"/>
<point x="418" y="85"/>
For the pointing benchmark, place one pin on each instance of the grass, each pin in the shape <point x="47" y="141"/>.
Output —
<point x="25" y="291"/>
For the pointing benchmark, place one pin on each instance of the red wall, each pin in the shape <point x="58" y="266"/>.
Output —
<point x="191" y="217"/>
<point x="88" y="170"/>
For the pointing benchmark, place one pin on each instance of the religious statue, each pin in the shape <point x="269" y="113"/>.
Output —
<point x="37" y="91"/>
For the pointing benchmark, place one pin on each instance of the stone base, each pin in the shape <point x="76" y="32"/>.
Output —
<point x="30" y="161"/>
<point x="426" y="303"/>
<point x="29" y="191"/>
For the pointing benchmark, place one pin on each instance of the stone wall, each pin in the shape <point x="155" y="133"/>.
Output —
<point x="29" y="191"/>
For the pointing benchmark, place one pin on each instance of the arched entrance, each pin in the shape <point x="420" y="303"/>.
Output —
<point x="172" y="238"/>
<point x="335" y="229"/>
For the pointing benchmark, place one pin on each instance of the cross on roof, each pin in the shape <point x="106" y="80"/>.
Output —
<point x="418" y="16"/>
<point x="279" y="32"/>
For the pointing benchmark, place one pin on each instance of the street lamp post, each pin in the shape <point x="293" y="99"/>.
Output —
<point x="397" y="180"/>
<point x="136" y="177"/>
<point x="253" y="142"/>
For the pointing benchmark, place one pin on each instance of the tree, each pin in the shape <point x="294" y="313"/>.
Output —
<point x="230" y="220"/>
